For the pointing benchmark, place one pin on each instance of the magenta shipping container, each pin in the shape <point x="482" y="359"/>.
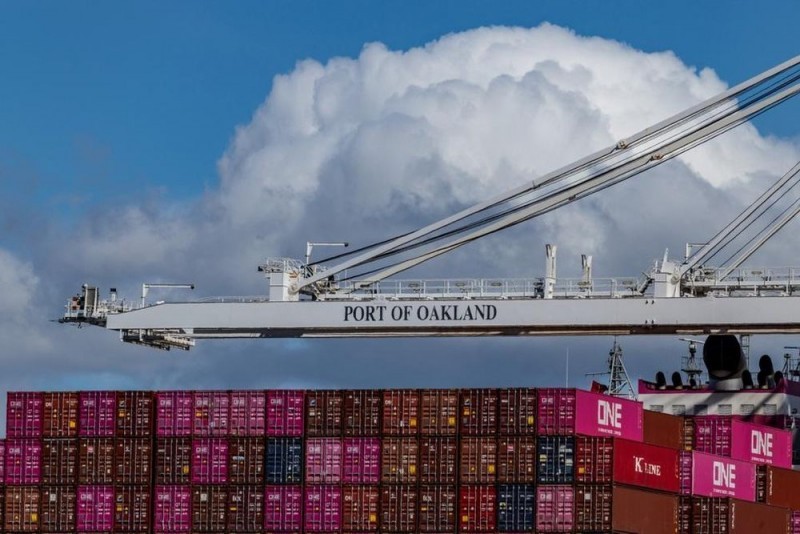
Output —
<point x="173" y="509"/>
<point x="23" y="462"/>
<point x="568" y="411"/>
<point x="95" y="508"/>
<point x="283" y="509"/>
<point x="285" y="410"/>
<point x="717" y="476"/>
<point x="761" y="444"/>
<point x="712" y="434"/>
<point x="209" y="461"/>
<point x="174" y="414"/>
<point x="248" y="413"/>
<point x="555" y="508"/>
<point x="2" y="462"/>
<point x="211" y="413"/>
<point x="323" y="461"/>
<point x="323" y="509"/>
<point x="362" y="461"/>
<point x="97" y="414"/>
<point x="24" y="415"/>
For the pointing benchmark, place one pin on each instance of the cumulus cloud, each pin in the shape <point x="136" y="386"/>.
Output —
<point x="362" y="148"/>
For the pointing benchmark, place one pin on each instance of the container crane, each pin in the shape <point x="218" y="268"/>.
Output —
<point x="353" y="294"/>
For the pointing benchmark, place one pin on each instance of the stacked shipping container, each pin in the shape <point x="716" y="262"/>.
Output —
<point x="394" y="461"/>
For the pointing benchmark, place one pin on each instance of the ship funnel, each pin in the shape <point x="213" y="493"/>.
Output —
<point x="725" y="361"/>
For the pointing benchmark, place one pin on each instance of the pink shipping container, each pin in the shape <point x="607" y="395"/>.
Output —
<point x="794" y="523"/>
<point x="173" y="509"/>
<point x="712" y="434"/>
<point x="209" y="461"/>
<point x="2" y="461"/>
<point x="211" y="413"/>
<point x="323" y="509"/>
<point x="285" y="410"/>
<point x="24" y="416"/>
<point x="97" y="414"/>
<point x="717" y="476"/>
<point x="761" y="444"/>
<point x="362" y="461"/>
<point x="555" y="508"/>
<point x="248" y="413"/>
<point x="323" y="460"/>
<point x="23" y="462"/>
<point x="685" y="472"/>
<point x="174" y="414"/>
<point x="95" y="508"/>
<point x="283" y="507"/>
<point x="563" y="411"/>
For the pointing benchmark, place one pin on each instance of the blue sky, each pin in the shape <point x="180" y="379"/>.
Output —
<point x="108" y="109"/>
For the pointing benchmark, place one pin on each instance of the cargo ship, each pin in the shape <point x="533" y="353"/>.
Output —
<point x="407" y="460"/>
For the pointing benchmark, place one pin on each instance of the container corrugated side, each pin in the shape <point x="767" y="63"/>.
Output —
<point x="663" y="429"/>
<point x="437" y="508"/>
<point x="637" y="510"/>
<point x="782" y="487"/>
<point x="733" y="516"/>
<point x="283" y="508"/>
<point x="362" y="412"/>
<point x="360" y="506"/>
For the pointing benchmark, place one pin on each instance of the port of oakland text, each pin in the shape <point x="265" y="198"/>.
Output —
<point x="377" y="313"/>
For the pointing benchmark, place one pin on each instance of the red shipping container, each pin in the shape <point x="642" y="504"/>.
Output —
<point x="593" y="508"/>
<point x="477" y="507"/>
<point x="173" y="509"/>
<point x="22" y="509"/>
<point x="283" y="507"/>
<point x="174" y="413"/>
<point x="2" y="463"/>
<point x="132" y="509"/>
<point x="664" y="430"/>
<point x="285" y="413"/>
<point x="360" y="508"/>
<point x="400" y="412"/>
<point x="324" y="413"/>
<point x="245" y="508"/>
<point x="60" y="415"/>
<point x="517" y="411"/>
<point x="362" y="461"/>
<point x="95" y="508"/>
<point x="732" y="516"/>
<point x="248" y="413"/>
<point x="781" y="487"/>
<point x="323" y="460"/>
<point x="57" y="513"/>
<point x="135" y="417"/>
<point x="246" y="460"/>
<point x="606" y="508"/>
<point x="24" y="415"/>
<point x="648" y="466"/>
<point x="437" y="508"/>
<point x="478" y="460"/>
<point x="322" y="509"/>
<point x="555" y="507"/>
<point x="133" y="459"/>
<point x="212" y="412"/>
<point x="362" y="413"/>
<point x="439" y="412"/>
<point x="2" y="507"/>
<point x="438" y="460"/>
<point x="399" y="460"/>
<point x="516" y="460"/>
<point x="478" y="408"/>
<point x="209" y="461"/>
<point x="173" y="460"/>
<point x="594" y="459"/>
<point x="96" y="461"/>
<point x="97" y="414"/>
<point x="209" y="508"/>
<point x="563" y="411"/>
<point x="398" y="508"/>
<point x="23" y="462"/>
<point x="59" y="461"/>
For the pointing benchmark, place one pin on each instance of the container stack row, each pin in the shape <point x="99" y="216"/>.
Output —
<point x="383" y="461"/>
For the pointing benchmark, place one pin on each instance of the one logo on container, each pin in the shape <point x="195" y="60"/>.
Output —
<point x="761" y="444"/>
<point x="609" y="416"/>
<point x="724" y="478"/>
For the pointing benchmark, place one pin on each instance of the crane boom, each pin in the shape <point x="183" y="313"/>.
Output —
<point x="309" y="300"/>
